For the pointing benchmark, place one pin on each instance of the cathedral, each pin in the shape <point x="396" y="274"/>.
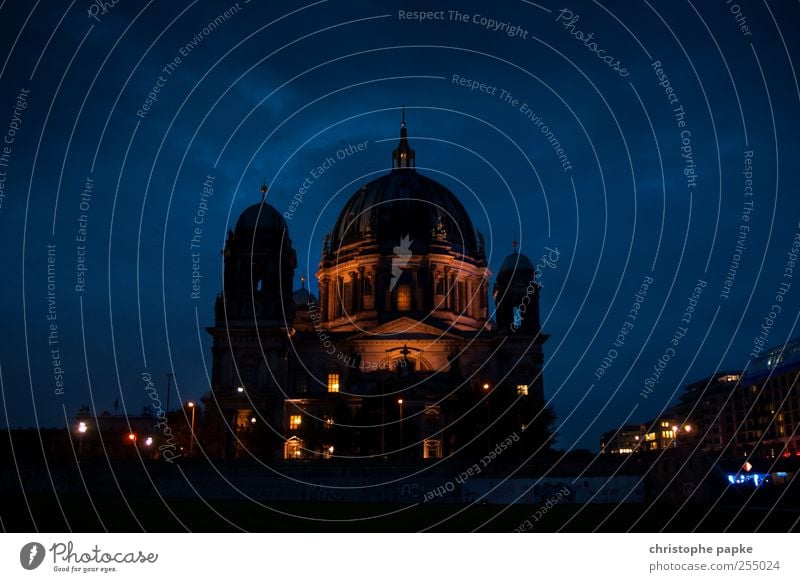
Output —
<point x="401" y="358"/>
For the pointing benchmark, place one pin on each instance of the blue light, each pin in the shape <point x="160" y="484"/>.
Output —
<point x="730" y="478"/>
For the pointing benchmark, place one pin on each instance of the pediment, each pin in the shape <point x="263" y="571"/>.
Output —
<point x="404" y="328"/>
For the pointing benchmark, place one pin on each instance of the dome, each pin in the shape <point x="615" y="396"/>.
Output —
<point x="516" y="263"/>
<point x="405" y="203"/>
<point x="262" y="217"/>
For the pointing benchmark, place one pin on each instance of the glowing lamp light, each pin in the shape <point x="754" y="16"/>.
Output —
<point x="675" y="428"/>
<point x="687" y="428"/>
<point x="82" y="427"/>
<point x="486" y="386"/>
<point x="330" y="450"/>
<point x="148" y="441"/>
<point x="747" y="466"/>
<point x="190" y="404"/>
<point x="131" y="436"/>
<point x="399" y="400"/>
<point x="253" y="420"/>
<point x="240" y="389"/>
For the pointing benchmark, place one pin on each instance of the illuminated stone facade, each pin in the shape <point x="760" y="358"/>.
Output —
<point x="401" y="357"/>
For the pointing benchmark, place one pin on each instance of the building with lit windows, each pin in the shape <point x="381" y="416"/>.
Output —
<point x="753" y="414"/>
<point x="628" y="439"/>
<point x="666" y="432"/>
<point x="766" y="405"/>
<point x="401" y="355"/>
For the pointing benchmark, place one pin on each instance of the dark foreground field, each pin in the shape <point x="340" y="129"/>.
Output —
<point x="114" y="514"/>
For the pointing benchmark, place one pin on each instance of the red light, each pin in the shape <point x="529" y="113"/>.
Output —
<point x="787" y="454"/>
<point x="131" y="436"/>
<point x="797" y="453"/>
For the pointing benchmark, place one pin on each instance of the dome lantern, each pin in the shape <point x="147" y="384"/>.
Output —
<point x="403" y="156"/>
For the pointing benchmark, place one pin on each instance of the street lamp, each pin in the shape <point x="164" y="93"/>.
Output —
<point x="191" y="405"/>
<point x="240" y="389"/>
<point x="486" y="387"/>
<point x="400" y="402"/>
<point x="81" y="431"/>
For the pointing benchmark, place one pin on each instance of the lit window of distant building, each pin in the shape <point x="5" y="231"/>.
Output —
<point x="522" y="389"/>
<point x="333" y="382"/>
<point x="294" y="421"/>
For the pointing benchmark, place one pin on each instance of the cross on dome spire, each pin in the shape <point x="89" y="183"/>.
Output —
<point x="403" y="155"/>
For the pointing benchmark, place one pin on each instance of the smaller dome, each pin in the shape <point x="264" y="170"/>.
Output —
<point x="302" y="297"/>
<point x="516" y="262"/>
<point x="262" y="217"/>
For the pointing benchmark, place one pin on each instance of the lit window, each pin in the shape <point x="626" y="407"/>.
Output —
<point x="328" y="422"/>
<point x="651" y="436"/>
<point x="432" y="449"/>
<point x="665" y="424"/>
<point x="293" y="448"/>
<point x="403" y="298"/>
<point x="294" y="421"/>
<point x="333" y="382"/>
<point x="522" y="389"/>
<point x="243" y="419"/>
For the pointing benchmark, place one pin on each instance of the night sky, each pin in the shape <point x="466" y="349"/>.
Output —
<point x="118" y="116"/>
